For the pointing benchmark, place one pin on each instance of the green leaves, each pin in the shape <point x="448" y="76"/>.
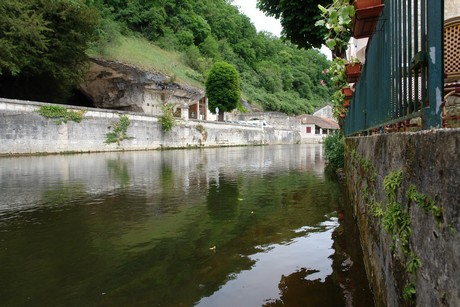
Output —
<point x="334" y="150"/>
<point x="61" y="113"/>
<point x="23" y="35"/>
<point x="167" y="121"/>
<point x="43" y="44"/>
<point x="391" y="183"/>
<point x="409" y="292"/>
<point x="298" y="18"/>
<point x="119" y="132"/>
<point x="223" y="87"/>
<point x="337" y="19"/>
<point x="425" y="202"/>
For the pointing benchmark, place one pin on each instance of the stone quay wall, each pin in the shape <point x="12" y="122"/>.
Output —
<point x="24" y="131"/>
<point x="404" y="189"/>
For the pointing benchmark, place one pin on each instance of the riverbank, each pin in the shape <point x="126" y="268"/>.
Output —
<point x="404" y="191"/>
<point x="26" y="132"/>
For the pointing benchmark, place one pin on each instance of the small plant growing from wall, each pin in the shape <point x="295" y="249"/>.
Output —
<point x="167" y="119"/>
<point x="119" y="132"/>
<point x="61" y="114"/>
<point x="203" y="132"/>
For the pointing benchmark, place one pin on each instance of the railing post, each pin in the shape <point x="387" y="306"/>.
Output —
<point x="432" y="115"/>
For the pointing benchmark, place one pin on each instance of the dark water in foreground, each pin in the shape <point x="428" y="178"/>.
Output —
<point x="250" y="226"/>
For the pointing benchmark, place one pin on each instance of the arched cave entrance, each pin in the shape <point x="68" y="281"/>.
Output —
<point x="80" y="99"/>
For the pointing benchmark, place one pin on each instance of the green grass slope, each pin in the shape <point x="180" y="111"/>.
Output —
<point x="139" y="52"/>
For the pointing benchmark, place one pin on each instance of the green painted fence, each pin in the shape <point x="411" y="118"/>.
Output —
<point x="402" y="78"/>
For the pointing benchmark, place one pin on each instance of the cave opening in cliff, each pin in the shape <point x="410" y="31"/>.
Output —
<point x="80" y="99"/>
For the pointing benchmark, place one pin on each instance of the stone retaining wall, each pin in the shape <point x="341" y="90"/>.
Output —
<point x="24" y="131"/>
<point x="422" y="251"/>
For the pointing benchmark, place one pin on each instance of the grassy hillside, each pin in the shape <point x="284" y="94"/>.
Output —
<point x="139" y="52"/>
<point x="46" y="60"/>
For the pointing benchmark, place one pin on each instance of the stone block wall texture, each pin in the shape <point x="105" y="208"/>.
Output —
<point x="24" y="131"/>
<point x="429" y="161"/>
<point x="451" y="8"/>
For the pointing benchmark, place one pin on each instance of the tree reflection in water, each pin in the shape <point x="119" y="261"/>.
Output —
<point x="345" y="287"/>
<point x="297" y="290"/>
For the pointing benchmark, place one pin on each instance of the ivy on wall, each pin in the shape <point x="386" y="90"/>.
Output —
<point x="394" y="216"/>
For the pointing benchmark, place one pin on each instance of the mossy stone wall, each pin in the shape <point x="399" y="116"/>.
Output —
<point x="426" y="270"/>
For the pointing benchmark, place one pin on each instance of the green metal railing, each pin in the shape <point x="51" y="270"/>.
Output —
<point x="402" y="78"/>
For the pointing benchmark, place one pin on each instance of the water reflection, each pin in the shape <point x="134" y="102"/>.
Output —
<point x="313" y="251"/>
<point x="212" y="227"/>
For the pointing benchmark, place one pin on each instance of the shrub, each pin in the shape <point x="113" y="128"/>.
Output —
<point x="167" y="119"/>
<point x="119" y="132"/>
<point x="61" y="113"/>
<point x="334" y="149"/>
<point x="223" y="88"/>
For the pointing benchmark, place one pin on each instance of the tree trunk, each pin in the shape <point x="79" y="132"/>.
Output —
<point x="220" y="116"/>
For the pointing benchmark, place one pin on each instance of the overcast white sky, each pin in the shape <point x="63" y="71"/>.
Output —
<point x="262" y="22"/>
<point x="265" y="23"/>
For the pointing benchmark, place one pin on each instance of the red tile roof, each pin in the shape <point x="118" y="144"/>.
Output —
<point x="321" y="122"/>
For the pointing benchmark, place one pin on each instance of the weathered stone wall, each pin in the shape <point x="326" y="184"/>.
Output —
<point x="451" y="8"/>
<point x="427" y="196"/>
<point x="24" y="131"/>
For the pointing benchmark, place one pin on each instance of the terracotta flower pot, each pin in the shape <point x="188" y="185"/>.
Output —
<point x="360" y="4"/>
<point x="352" y="72"/>
<point x="347" y="92"/>
<point x="365" y="21"/>
<point x="346" y="103"/>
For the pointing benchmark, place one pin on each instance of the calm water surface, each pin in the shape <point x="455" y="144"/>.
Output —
<point x="249" y="226"/>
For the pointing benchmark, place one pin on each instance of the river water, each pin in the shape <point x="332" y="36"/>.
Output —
<point x="240" y="226"/>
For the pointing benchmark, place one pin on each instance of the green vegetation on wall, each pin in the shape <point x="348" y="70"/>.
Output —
<point x="395" y="216"/>
<point x="167" y="120"/>
<point x="120" y="131"/>
<point x="203" y="132"/>
<point x="61" y="114"/>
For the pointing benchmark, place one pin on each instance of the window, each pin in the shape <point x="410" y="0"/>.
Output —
<point x="308" y="129"/>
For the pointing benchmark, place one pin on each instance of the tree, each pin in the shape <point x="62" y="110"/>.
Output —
<point x="298" y="18"/>
<point x="22" y="35"/>
<point x="42" y="47"/>
<point x="223" y="88"/>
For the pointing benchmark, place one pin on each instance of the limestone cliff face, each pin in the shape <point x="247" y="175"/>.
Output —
<point x="114" y="85"/>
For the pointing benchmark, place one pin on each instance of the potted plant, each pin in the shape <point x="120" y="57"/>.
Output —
<point x="347" y="91"/>
<point x="346" y="103"/>
<point x="366" y="17"/>
<point x="339" y="112"/>
<point x="352" y="70"/>
<point x="360" y="4"/>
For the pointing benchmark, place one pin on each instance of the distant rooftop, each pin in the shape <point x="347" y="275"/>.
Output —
<point x="321" y="122"/>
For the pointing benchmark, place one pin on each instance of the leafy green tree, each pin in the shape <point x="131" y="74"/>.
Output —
<point x="210" y="47"/>
<point x="42" y="47"/>
<point x="270" y="74"/>
<point x="199" y="27"/>
<point x="223" y="88"/>
<point x="23" y="35"/>
<point x="298" y="18"/>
